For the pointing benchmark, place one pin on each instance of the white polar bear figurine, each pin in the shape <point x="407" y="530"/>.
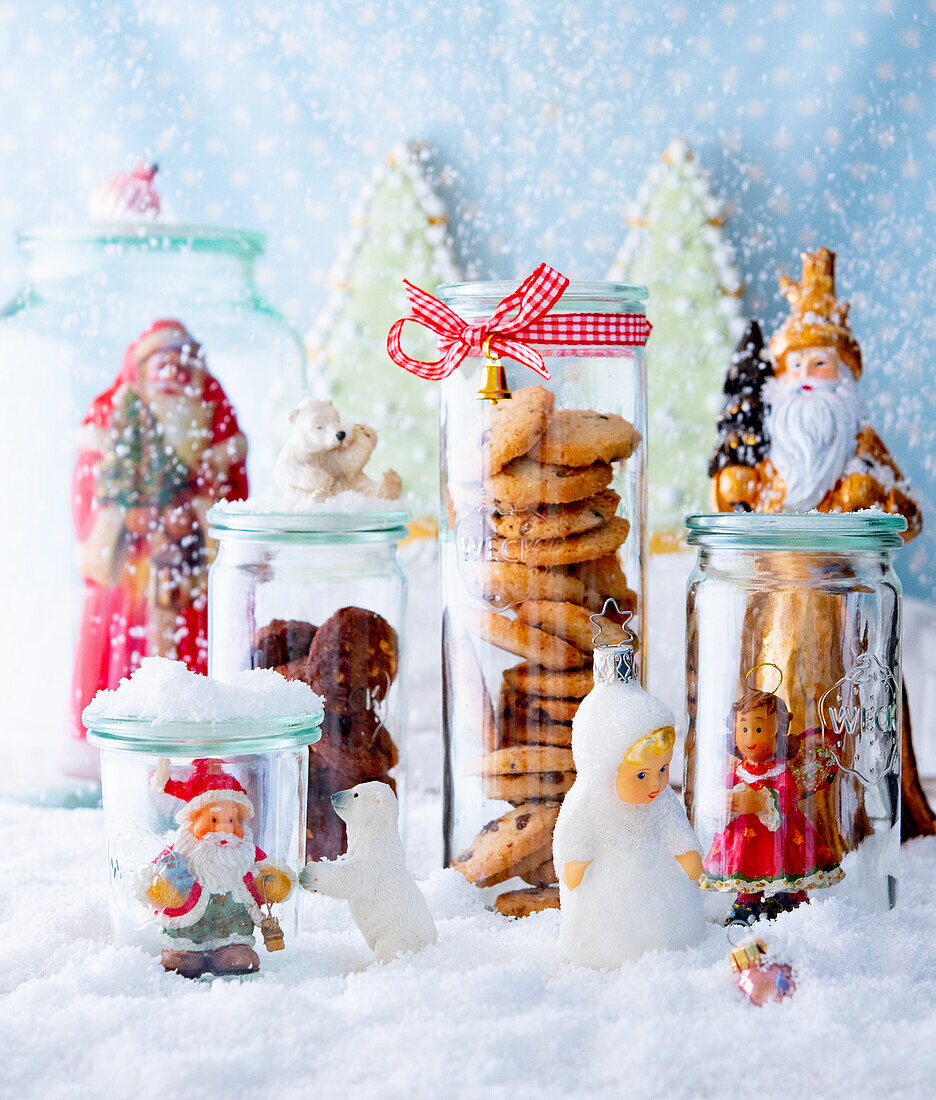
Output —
<point x="385" y="902"/>
<point x="323" y="457"/>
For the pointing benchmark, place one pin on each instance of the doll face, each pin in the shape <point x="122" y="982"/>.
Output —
<point x="219" y="817"/>
<point x="755" y="734"/>
<point x="823" y="363"/>
<point x="640" y="783"/>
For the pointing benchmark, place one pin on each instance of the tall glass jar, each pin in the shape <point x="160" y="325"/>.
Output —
<point x="320" y="597"/>
<point x="89" y="293"/>
<point x="544" y="504"/>
<point x="792" y="772"/>
<point x="154" y="775"/>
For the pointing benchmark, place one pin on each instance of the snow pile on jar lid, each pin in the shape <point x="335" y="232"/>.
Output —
<point x="346" y="503"/>
<point x="164" y="691"/>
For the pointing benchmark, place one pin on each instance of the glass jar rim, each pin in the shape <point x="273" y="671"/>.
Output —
<point x="595" y="294"/>
<point x="145" y="236"/>
<point x="806" y="531"/>
<point x="230" y="518"/>
<point x="222" y="737"/>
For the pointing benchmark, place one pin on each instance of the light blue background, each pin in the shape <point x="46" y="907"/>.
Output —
<point x="815" y="119"/>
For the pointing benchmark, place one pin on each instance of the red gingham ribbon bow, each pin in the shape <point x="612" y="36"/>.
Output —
<point x="511" y="335"/>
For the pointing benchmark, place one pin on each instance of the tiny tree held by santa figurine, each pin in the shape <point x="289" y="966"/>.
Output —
<point x="812" y="449"/>
<point x="155" y="451"/>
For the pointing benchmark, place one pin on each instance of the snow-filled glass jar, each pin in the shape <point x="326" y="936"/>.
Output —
<point x="205" y="824"/>
<point x="793" y="751"/>
<point x="320" y="597"/>
<point x="544" y="503"/>
<point x="89" y="294"/>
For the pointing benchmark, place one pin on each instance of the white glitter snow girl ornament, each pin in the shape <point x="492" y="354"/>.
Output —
<point x="627" y="859"/>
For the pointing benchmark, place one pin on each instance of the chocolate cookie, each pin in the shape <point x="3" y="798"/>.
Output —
<point x="536" y="707"/>
<point x="281" y="641"/>
<point x="587" y="546"/>
<point x="523" y="903"/>
<point x="574" y="683"/>
<point x="527" y="787"/>
<point x="510" y="428"/>
<point x="353" y="659"/>
<point x="522" y="759"/>
<point x="555" y="521"/>
<point x="571" y="622"/>
<point x="544" y="875"/>
<point x="602" y="578"/>
<point x="526" y="641"/>
<point x="578" y="437"/>
<point x="504" y="583"/>
<point x="526" y="482"/>
<point x="509" y="845"/>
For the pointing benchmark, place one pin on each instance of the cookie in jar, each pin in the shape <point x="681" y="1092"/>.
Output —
<point x="543" y="420"/>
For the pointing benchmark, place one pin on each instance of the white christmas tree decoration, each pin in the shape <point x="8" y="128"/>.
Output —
<point x="398" y="229"/>
<point x="674" y="247"/>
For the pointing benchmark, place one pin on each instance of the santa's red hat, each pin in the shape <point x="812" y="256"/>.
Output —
<point x="208" y="783"/>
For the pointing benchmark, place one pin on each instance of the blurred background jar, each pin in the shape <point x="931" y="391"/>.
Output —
<point x="544" y="505"/>
<point x="89" y="293"/>
<point x="793" y="761"/>
<point x="320" y="597"/>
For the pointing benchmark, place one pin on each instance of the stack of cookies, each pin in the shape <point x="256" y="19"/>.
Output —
<point x="538" y="539"/>
<point x="351" y="660"/>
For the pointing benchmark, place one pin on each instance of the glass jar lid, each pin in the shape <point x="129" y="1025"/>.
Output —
<point x="829" y="532"/>
<point x="225" y="737"/>
<point x="143" y="236"/>
<point x="238" y="519"/>
<point x="474" y="299"/>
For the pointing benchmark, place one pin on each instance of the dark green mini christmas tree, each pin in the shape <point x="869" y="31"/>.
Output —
<point x="742" y="436"/>
<point x="139" y="468"/>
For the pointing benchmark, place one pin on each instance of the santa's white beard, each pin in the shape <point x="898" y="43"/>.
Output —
<point x="185" y="422"/>
<point x="812" y="435"/>
<point x="219" y="867"/>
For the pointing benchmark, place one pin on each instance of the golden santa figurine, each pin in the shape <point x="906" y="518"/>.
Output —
<point x="794" y="439"/>
<point x="820" y="453"/>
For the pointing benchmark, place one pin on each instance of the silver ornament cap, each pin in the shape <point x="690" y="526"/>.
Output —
<point x="613" y="663"/>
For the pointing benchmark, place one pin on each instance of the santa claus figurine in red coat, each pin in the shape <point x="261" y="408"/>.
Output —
<point x="155" y="451"/>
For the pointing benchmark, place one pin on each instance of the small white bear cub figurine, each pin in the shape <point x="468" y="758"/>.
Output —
<point x="385" y="902"/>
<point x="323" y="457"/>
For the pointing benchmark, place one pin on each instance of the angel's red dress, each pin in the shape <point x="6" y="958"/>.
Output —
<point x="774" y="850"/>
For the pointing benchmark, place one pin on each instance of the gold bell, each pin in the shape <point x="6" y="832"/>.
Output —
<point x="495" y="377"/>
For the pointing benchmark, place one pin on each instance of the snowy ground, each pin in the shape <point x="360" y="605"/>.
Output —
<point x="490" y="1011"/>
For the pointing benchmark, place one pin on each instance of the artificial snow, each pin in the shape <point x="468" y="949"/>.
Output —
<point x="346" y="503"/>
<point x="489" y="1011"/>
<point x="167" y="691"/>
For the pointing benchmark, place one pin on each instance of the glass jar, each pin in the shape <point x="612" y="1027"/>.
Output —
<point x="544" y="503"/>
<point x="321" y="598"/>
<point x="89" y="293"/>
<point x="792" y="771"/>
<point x="155" y="776"/>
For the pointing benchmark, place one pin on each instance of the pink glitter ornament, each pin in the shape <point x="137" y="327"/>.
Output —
<point x="758" y="980"/>
<point x="126" y="196"/>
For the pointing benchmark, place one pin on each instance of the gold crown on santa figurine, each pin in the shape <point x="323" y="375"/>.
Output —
<point x="817" y="318"/>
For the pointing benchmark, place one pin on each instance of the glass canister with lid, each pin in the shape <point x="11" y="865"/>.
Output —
<point x="320" y="597"/>
<point x="544" y="500"/>
<point x="204" y="792"/>
<point x="74" y="389"/>
<point x="793" y="752"/>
